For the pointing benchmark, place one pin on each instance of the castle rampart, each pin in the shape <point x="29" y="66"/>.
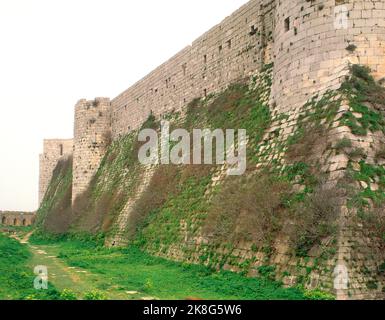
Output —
<point x="314" y="42"/>
<point x="53" y="150"/>
<point x="309" y="43"/>
<point x="16" y="218"/>
<point x="230" y="51"/>
<point x="92" y="136"/>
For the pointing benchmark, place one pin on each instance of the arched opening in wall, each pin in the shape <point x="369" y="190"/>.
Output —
<point x="3" y="220"/>
<point x="61" y="149"/>
<point x="24" y="222"/>
<point x="15" y="222"/>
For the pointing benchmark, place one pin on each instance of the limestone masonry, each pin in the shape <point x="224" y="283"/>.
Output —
<point x="302" y="38"/>
<point x="16" y="218"/>
<point x="53" y="150"/>
<point x="311" y="44"/>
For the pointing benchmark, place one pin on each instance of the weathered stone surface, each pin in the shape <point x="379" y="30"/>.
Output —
<point x="16" y="218"/>
<point x="309" y="51"/>
<point x="53" y="150"/>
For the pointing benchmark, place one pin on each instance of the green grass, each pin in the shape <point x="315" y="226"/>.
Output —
<point x="16" y="276"/>
<point x="130" y="269"/>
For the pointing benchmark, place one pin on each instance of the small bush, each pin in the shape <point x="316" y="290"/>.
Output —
<point x="315" y="219"/>
<point x="357" y="153"/>
<point x="148" y="286"/>
<point x="381" y="268"/>
<point x="372" y="285"/>
<point x="365" y="97"/>
<point x="308" y="143"/>
<point x="248" y="208"/>
<point x="343" y="144"/>
<point x="267" y="272"/>
<point x="68" y="294"/>
<point x="375" y="221"/>
<point x="319" y="295"/>
<point x="95" y="295"/>
<point x="380" y="154"/>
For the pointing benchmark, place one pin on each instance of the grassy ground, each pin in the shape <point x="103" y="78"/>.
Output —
<point x="132" y="274"/>
<point x="16" y="276"/>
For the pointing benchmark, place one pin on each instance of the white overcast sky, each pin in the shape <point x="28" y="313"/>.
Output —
<point x="54" y="52"/>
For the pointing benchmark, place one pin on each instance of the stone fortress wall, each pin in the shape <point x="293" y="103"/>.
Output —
<point x="17" y="218"/>
<point x="92" y="136"/>
<point x="230" y="51"/>
<point x="303" y="38"/>
<point x="311" y="42"/>
<point x="53" y="150"/>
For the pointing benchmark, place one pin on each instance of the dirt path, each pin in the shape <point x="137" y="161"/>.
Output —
<point x="75" y="279"/>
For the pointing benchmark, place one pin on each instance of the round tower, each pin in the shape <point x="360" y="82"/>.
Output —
<point x="92" y="135"/>
<point x="316" y="40"/>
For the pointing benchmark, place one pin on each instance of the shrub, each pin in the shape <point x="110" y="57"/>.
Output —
<point x="267" y="272"/>
<point x="68" y="294"/>
<point x="248" y="208"/>
<point x="95" y="295"/>
<point x="308" y="143"/>
<point x="318" y="295"/>
<point x="375" y="221"/>
<point x="357" y="153"/>
<point x="372" y="285"/>
<point x="365" y="97"/>
<point x="380" y="154"/>
<point x="381" y="268"/>
<point x="315" y="219"/>
<point x="343" y="144"/>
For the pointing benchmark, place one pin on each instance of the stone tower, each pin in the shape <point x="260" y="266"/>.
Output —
<point x="53" y="150"/>
<point x="315" y="41"/>
<point x="91" y="138"/>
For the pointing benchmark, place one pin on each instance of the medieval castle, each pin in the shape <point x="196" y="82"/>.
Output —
<point x="306" y="40"/>
<point x="310" y="43"/>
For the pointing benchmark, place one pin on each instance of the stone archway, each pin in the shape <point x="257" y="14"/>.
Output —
<point x="24" y="222"/>
<point x="3" y="220"/>
<point x="15" y="222"/>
